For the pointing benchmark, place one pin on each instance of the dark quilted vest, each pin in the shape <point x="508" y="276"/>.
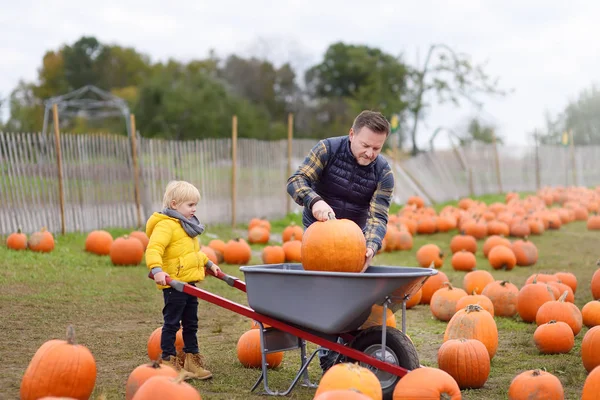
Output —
<point x="345" y="185"/>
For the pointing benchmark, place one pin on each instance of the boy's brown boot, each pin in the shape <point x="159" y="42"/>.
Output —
<point x="173" y="362"/>
<point x="194" y="363"/>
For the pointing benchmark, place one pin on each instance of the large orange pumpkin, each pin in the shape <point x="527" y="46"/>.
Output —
<point x="98" y="242"/>
<point x="429" y="254"/>
<point x="427" y="383"/>
<point x="126" y="250"/>
<point x="590" y="348"/>
<point x="466" y="360"/>
<point x="591" y="387"/>
<point x="342" y="394"/>
<point x="41" y="241"/>
<point x="595" y="285"/>
<point x="60" y="368"/>
<point x="351" y="376"/>
<point x="503" y="295"/>
<point x="163" y="387"/>
<point x="153" y="346"/>
<point x="144" y="372"/>
<point x="443" y="302"/>
<point x="142" y="237"/>
<point x="273" y="255"/>
<point x="431" y="285"/>
<point x="337" y="245"/>
<point x="590" y="313"/>
<point x="17" y="241"/>
<point x="292" y="231"/>
<point x="249" y="351"/>
<point x="554" y="337"/>
<point x="475" y="281"/>
<point x="473" y="322"/>
<point x="376" y="318"/>
<point x="535" y="384"/>
<point x="237" y="251"/>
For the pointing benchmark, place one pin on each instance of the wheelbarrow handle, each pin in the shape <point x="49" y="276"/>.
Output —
<point x="175" y="284"/>
<point x="229" y="279"/>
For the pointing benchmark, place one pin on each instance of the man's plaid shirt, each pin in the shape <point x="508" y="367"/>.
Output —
<point x="300" y="184"/>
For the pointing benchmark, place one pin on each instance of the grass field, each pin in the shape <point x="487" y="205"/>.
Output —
<point x="114" y="310"/>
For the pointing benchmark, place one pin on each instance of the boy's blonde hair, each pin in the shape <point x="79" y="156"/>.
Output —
<point x="180" y="191"/>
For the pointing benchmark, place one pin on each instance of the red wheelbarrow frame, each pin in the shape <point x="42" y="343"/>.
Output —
<point x="277" y="324"/>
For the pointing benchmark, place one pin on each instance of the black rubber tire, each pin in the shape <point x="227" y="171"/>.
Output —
<point x="398" y="346"/>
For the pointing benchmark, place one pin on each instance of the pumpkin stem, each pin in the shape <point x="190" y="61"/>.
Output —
<point x="563" y="296"/>
<point x="70" y="334"/>
<point x="536" y="372"/>
<point x="552" y="321"/>
<point x="450" y="287"/>
<point x="473" y="308"/>
<point x="155" y="363"/>
<point x="503" y="283"/>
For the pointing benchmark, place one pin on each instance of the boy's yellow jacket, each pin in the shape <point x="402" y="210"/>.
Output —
<point x="173" y="250"/>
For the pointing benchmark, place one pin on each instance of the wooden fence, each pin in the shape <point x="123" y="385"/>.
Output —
<point x="98" y="177"/>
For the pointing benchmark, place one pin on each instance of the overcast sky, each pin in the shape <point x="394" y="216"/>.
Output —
<point x="544" y="50"/>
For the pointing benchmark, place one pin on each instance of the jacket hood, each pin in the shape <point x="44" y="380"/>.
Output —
<point x="154" y="219"/>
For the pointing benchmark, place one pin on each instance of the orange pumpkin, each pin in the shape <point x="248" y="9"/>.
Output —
<point x="142" y="237"/>
<point x="342" y="394"/>
<point x="560" y="310"/>
<point x="335" y="245"/>
<point x="273" y="255"/>
<point x="351" y="376"/>
<point x="478" y="299"/>
<point x="443" y="302"/>
<point x="415" y="200"/>
<point x="431" y="285"/>
<point x="219" y="247"/>
<point x="591" y="387"/>
<point x="554" y="337"/>
<point x="473" y="322"/>
<point x="526" y="253"/>
<point x="535" y="384"/>
<point x="466" y="360"/>
<point x="144" y="372"/>
<point x="503" y="296"/>
<point x="237" y="251"/>
<point x="292" y="250"/>
<point x="292" y="231"/>
<point x="590" y="348"/>
<point x="502" y="257"/>
<point x="262" y="222"/>
<point x="429" y="254"/>
<point x="568" y="278"/>
<point x="163" y="387"/>
<point x="475" y="281"/>
<point x="376" y="318"/>
<point x="249" y="351"/>
<point x="463" y="242"/>
<point x="595" y="285"/>
<point x="16" y="241"/>
<point x="427" y="383"/>
<point x="98" y="242"/>
<point x="590" y="313"/>
<point x="153" y="345"/>
<point x="463" y="261"/>
<point x="493" y="241"/>
<point x="530" y="299"/>
<point x="258" y="234"/>
<point x="60" y="368"/>
<point x="210" y="253"/>
<point x="41" y="241"/>
<point x="126" y="251"/>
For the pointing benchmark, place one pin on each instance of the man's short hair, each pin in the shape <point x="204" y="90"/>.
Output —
<point x="373" y="120"/>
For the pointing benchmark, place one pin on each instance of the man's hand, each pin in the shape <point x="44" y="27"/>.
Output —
<point x="160" y="278"/>
<point x="368" y="257"/>
<point x="321" y="211"/>
<point x="215" y="269"/>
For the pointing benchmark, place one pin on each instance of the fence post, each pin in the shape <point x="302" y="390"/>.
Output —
<point x="234" y="134"/>
<point x="288" y="204"/>
<point x="136" y="174"/>
<point x="497" y="159"/>
<point x="573" y="159"/>
<point x="61" y="192"/>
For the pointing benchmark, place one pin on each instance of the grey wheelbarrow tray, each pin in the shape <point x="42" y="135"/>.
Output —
<point x="328" y="302"/>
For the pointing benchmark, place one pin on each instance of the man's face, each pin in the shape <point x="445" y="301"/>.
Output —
<point x="366" y="145"/>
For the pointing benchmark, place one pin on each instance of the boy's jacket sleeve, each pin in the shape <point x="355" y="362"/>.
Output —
<point x="160" y="239"/>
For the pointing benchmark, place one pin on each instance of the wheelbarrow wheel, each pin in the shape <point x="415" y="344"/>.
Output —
<point x="399" y="350"/>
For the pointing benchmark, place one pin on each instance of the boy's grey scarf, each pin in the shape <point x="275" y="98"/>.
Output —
<point x="192" y="226"/>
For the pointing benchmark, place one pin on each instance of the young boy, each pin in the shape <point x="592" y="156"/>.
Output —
<point x="174" y="250"/>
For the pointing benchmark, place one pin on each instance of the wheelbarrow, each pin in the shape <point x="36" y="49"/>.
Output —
<point x="327" y="309"/>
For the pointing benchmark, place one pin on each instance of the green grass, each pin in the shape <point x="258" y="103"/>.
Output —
<point x="114" y="310"/>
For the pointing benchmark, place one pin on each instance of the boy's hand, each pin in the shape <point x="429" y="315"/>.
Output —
<point x="160" y="278"/>
<point x="215" y="269"/>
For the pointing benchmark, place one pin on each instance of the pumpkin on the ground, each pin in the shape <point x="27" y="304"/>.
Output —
<point x="463" y="242"/>
<point x="292" y="231"/>
<point x="595" y="285"/>
<point x="336" y="245"/>
<point x="475" y="281"/>
<point x="273" y="255"/>
<point x="142" y="373"/>
<point x="60" y="368"/>
<point x="17" y="241"/>
<point x="534" y="385"/>
<point x="443" y="302"/>
<point x="126" y="251"/>
<point x="554" y="337"/>
<point x="249" y="351"/>
<point x="591" y="386"/>
<point x="504" y="297"/>
<point x="142" y="237"/>
<point x="560" y="310"/>
<point x="568" y="278"/>
<point x="466" y="360"/>
<point x="431" y="285"/>
<point x="463" y="261"/>
<point x="427" y="383"/>
<point x="530" y="299"/>
<point x="163" y="387"/>
<point x="473" y="322"/>
<point x="430" y="255"/>
<point x="502" y="257"/>
<point x="342" y="394"/>
<point x="41" y="241"/>
<point x="153" y="345"/>
<point x="590" y="348"/>
<point x="376" y="318"/>
<point x="237" y="251"/>
<point x="98" y="242"/>
<point x="590" y="313"/>
<point x="350" y="376"/>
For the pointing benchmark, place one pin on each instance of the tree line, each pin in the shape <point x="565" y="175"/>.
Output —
<point x="196" y="99"/>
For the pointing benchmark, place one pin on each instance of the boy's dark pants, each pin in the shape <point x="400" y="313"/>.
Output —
<point x="178" y="307"/>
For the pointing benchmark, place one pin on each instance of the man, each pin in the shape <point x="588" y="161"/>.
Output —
<point x="346" y="177"/>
